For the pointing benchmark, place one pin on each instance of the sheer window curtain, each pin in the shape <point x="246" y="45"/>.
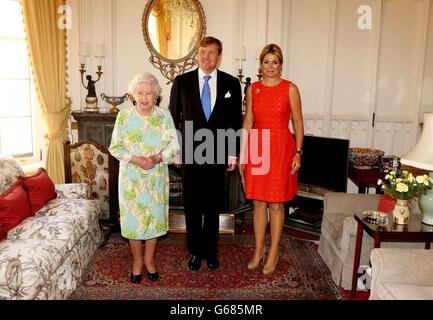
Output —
<point x="47" y="51"/>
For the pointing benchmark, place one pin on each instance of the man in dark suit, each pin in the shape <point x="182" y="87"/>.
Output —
<point x="205" y="102"/>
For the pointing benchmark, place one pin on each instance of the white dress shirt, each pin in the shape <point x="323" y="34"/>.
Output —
<point x="212" y="85"/>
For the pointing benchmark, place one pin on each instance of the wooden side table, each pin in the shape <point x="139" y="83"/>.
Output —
<point x="367" y="178"/>
<point x="415" y="231"/>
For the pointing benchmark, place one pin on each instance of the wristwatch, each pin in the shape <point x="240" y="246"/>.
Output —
<point x="299" y="151"/>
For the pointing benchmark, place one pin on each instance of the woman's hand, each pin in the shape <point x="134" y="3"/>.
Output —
<point x="157" y="158"/>
<point x="296" y="163"/>
<point x="144" y="163"/>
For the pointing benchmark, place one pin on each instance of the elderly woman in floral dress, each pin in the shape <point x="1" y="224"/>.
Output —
<point x="144" y="140"/>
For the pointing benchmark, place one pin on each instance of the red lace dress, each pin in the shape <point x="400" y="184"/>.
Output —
<point x="271" y="145"/>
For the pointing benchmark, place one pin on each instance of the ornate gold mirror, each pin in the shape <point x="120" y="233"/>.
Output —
<point x="172" y="30"/>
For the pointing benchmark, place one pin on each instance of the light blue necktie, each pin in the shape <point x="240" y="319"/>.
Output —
<point x="205" y="97"/>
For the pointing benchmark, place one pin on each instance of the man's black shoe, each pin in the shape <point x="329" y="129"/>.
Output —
<point x="194" y="263"/>
<point x="213" y="263"/>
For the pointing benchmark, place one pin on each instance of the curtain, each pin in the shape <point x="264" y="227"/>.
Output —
<point x="162" y="26"/>
<point x="47" y="52"/>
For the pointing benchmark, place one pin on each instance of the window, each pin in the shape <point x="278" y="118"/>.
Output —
<point x="19" y="123"/>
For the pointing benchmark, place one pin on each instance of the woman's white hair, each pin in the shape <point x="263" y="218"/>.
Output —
<point x="144" y="78"/>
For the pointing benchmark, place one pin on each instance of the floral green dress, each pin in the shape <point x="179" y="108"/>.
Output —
<point x="144" y="194"/>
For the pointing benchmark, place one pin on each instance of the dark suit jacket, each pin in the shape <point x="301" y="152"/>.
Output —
<point x="185" y="106"/>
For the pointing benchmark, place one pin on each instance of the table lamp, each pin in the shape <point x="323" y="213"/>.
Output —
<point x="421" y="156"/>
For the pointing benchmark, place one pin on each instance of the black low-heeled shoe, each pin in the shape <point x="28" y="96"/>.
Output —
<point x="153" y="276"/>
<point x="136" y="278"/>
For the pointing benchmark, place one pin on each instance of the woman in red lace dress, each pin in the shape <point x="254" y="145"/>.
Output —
<point x="271" y="154"/>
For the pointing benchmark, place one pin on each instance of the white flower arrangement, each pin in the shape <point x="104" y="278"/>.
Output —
<point x="404" y="185"/>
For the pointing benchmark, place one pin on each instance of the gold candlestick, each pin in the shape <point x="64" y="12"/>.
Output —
<point x="240" y="76"/>
<point x="259" y="74"/>
<point x="91" y="98"/>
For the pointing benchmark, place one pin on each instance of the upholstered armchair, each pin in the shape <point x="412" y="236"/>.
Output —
<point x="401" y="274"/>
<point x="338" y="234"/>
<point x="88" y="162"/>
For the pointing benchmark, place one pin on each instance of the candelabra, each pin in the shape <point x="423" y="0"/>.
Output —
<point x="241" y="76"/>
<point x="181" y="10"/>
<point x="91" y="98"/>
<point x="248" y="79"/>
<point x="247" y="83"/>
<point x="259" y="74"/>
<point x="240" y="58"/>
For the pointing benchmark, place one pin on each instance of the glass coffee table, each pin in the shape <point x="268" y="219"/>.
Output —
<point x="414" y="231"/>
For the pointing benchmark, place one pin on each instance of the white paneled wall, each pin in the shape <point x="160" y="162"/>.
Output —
<point x="401" y="58"/>
<point x="353" y="61"/>
<point x="346" y="69"/>
<point x="427" y="88"/>
<point x="132" y="55"/>
<point x="308" y="60"/>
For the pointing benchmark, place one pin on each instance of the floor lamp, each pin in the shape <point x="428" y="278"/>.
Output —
<point x="421" y="156"/>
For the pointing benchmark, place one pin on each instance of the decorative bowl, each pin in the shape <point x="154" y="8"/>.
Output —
<point x="365" y="158"/>
<point x="114" y="101"/>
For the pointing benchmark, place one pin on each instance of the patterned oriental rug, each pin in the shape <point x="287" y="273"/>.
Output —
<point x="301" y="273"/>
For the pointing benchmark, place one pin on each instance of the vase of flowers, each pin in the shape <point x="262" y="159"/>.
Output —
<point x="401" y="212"/>
<point x="403" y="187"/>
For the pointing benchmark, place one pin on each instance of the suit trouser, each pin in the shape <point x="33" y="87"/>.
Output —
<point x="204" y="201"/>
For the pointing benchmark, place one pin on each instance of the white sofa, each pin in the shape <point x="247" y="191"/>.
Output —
<point x="401" y="274"/>
<point x="45" y="256"/>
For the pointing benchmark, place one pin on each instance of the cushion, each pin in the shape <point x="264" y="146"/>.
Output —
<point x="9" y="171"/>
<point x="402" y="291"/>
<point x="14" y="207"/>
<point x="40" y="189"/>
<point x="386" y="203"/>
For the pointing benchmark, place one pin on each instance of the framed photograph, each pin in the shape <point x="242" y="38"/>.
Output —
<point x="389" y="162"/>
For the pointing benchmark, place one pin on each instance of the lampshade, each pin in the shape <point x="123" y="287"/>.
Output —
<point x="421" y="156"/>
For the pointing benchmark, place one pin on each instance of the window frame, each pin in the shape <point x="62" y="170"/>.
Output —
<point x="37" y="154"/>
